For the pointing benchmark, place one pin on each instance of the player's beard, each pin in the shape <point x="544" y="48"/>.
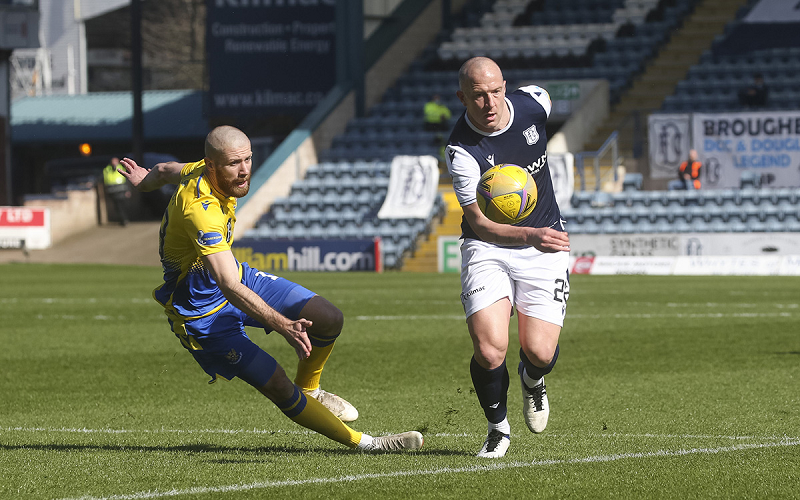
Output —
<point x="239" y="191"/>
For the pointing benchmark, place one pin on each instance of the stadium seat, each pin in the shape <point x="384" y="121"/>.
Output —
<point x="632" y="182"/>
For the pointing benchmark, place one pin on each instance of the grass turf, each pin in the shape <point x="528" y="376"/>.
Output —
<point x="666" y="387"/>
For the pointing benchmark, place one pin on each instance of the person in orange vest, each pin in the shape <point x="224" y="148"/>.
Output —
<point x="689" y="172"/>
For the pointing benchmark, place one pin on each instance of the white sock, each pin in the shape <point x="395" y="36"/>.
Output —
<point x="366" y="441"/>
<point x="503" y="426"/>
<point x="314" y="393"/>
<point x="529" y="381"/>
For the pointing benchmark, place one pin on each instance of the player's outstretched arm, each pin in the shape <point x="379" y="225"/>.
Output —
<point x="544" y="239"/>
<point x="225" y="272"/>
<point x="150" y="180"/>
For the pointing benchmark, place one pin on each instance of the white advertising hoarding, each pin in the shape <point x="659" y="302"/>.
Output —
<point x="24" y="227"/>
<point x="728" y="144"/>
<point x="766" y="142"/>
<point x="685" y="265"/>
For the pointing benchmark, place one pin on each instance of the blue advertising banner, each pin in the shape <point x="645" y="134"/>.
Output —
<point x="309" y="255"/>
<point x="269" y="56"/>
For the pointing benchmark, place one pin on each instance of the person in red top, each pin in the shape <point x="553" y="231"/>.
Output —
<point x="689" y="172"/>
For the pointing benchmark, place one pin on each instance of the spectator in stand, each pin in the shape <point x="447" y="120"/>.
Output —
<point x="437" y="119"/>
<point x="689" y="172"/>
<point x="437" y="115"/>
<point x="116" y="188"/>
<point x="755" y="95"/>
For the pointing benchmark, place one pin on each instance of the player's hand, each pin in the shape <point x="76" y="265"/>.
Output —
<point x="296" y="334"/>
<point x="133" y="172"/>
<point x="548" y="240"/>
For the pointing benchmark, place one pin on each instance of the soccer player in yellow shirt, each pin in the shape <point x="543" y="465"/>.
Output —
<point x="209" y="297"/>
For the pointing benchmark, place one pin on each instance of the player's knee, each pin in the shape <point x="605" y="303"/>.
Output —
<point x="540" y="355"/>
<point x="489" y="357"/>
<point x="330" y="321"/>
<point x="327" y="319"/>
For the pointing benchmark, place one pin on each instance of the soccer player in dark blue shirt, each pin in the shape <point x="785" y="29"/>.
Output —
<point x="523" y="266"/>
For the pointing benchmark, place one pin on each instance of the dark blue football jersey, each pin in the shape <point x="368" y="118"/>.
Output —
<point x="471" y="152"/>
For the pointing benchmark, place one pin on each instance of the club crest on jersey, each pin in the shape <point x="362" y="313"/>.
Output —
<point x="233" y="357"/>
<point x="208" y="239"/>
<point x="531" y="135"/>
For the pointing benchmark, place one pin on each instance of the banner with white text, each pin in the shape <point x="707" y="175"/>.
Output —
<point x="309" y="255"/>
<point x="264" y="57"/>
<point x="24" y="227"/>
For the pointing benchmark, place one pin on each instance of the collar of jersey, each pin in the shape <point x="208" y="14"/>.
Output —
<point x="213" y="191"/>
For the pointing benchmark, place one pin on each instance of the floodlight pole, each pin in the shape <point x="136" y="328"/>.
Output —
<point x="137" y="132"/>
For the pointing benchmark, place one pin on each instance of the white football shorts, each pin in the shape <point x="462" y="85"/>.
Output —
<point x="536" y="283"/>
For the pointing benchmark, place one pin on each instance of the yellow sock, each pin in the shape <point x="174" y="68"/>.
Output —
<point x="309" y="370"/>
<point x="310" y="413"/>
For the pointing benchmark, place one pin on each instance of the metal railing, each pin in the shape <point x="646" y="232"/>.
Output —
<point x="609" y="144"/>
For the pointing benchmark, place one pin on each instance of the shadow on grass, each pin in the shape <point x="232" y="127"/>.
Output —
<point x="213" y="448"/>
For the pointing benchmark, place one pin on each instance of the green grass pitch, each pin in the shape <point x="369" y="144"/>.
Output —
<point x="666" y="387"/>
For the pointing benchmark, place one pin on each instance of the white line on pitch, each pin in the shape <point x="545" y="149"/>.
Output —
<point x="411" y="317"/>
<point x="445" y="470"/>
<point x="682" y="315"/>
<point x="460" y="317"/>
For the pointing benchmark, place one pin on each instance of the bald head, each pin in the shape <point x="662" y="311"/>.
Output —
<point x="224" y="138"/>
<point x="483" y="91"/>
<point x="476" y="69"/>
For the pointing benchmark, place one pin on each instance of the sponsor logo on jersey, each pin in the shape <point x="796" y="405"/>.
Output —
<point x="534" y="167"/>
<point x="451" y="152"/>
<point x="531" y="135"/>
<point x="205" y="204"/>
<point x="208" y="239"/>
<point x="490" y="159"/>
<point x="466" y="295"/>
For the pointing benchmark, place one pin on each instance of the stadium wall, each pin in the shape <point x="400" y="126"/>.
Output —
<point x="71" y="212"/>
<point x="592" y="111"/>
<point x="388" y="53"/>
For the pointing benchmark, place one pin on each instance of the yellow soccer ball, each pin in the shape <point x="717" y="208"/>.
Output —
<point x="506" y="194"/>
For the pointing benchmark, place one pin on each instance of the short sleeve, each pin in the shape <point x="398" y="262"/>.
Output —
<point x="207" y="226"/>
<point x="191" y="167"/>
<point x="540" y="95"/>
<point x="466" y="174"/>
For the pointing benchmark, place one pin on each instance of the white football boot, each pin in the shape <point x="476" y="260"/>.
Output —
<point x="496" y="445"/>
<point x="535" y="407"/>
<point x="405" y="441"/>
<point x="336" y="404"/>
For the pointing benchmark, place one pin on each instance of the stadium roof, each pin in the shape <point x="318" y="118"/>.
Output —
<point x="99" y="116"/>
